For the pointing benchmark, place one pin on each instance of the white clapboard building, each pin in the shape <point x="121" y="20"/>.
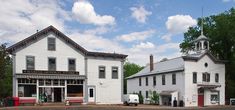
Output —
<point x="50" y="67"/>
<point x="197" y="79"/>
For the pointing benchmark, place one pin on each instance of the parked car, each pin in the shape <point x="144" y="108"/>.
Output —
<point x="131" y="99"/>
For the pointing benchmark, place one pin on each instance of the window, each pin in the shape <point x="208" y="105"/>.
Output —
<point x="216" y="77"/>
<point x="72" y="64"/>
<point x="214" y="98"/>
<point x="154" y="80"/>
<point x="206" y="77"/>
<point x="101" y="72"/>
<point x="146" y="81"/>
<point x="163" y="80"/>
<point x="194" y="77"/>
<point x="173" y="79"/>
<point x="52" y="64"/>
<point x="30" y="63"/>
<point x="140" y="81"/>
<point x="146" y="94"/>
<point x="114" y="72"/>
<point x="51" y="43"/>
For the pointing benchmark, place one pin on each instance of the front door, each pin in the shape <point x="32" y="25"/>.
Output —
<point x="57" y="95"/>
<point x="201" y="100"/>
<point x="91" y="94"/>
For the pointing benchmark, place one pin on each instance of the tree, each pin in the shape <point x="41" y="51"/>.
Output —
<point x="220" y="31"/>
<point x="130" y="69"/>
<point x="5" y="72"/>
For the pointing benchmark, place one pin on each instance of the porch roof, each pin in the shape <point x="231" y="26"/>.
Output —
<point x="208" y="85"/>
<point x="50" y="76"/>
<point x="166" y="92"/>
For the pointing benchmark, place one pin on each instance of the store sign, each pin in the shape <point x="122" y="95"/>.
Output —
<point x="50" y="72"/>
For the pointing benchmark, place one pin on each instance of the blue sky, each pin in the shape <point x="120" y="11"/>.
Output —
<point x="134" y="27"/>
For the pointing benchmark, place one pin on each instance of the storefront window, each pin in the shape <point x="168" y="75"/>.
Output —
<point x="27" y="90"/>
<point x="75" y="90"/>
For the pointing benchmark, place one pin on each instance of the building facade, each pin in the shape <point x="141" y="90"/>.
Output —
<point x="196" y="79"/>
<point x="50" y="67"/>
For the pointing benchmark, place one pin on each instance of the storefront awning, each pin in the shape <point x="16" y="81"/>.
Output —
<point x="50" y="76"/>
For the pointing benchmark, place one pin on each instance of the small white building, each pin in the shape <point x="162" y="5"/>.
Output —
<point x="197" y="79"/>
<point x="50" y="67"/>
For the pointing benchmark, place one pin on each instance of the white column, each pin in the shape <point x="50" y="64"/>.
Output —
<point x="52" y="95"/>
<point x="37" y="91"/>
<point x="202" y="45"/>
<point x="16" y="87"/>
<point x="65" y="90"/>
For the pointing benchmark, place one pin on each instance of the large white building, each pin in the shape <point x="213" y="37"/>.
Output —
<point x="197" y="79"/>
<point x="50" y="67"/>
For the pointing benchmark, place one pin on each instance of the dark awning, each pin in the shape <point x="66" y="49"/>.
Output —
<point x="50" y="76"/>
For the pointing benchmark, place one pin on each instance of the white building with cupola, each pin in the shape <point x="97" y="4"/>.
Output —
<point x="195" y="79"/>
<point x="49" y="67"/>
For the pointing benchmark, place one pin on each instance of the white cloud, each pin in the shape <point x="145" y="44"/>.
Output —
<point x="140" y="14"/>
<point x="142" y="46"/>
<point x="136" y="36"/>
<point x="20" y="18"/>
<point x="84" y="12"/>
<point x="178" y="24"/>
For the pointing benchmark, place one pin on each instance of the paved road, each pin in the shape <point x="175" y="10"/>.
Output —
<point x="116" y="107"/>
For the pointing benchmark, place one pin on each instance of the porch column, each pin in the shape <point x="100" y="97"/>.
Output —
<point x="65" y="90"/>
<point x="16" y="88"/>
<point x="37" y="91"/>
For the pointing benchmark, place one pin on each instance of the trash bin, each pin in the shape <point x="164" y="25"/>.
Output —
<point x="16" y="101"/>
<point x="10" y="101"/>
<point x="181" y="103"/>
<point x="175" y="103"/>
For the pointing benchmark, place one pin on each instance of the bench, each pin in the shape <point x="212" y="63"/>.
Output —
<point x="69" y="101"/>
<point x="27" y="101"/>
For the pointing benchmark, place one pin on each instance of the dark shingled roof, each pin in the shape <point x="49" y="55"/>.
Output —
<point x="59" y="34"/>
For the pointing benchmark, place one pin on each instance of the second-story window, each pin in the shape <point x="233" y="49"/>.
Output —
<point x="146" y="81"/>
<point x="140" y="81"/>
<point x="30" y="63"/>
<point x="154" y="80"/>
<point x="173" y="79"/>
<point x="206" y="77"/>
<point x="194" y="77"/>
<point x="216" y="77"/>
<point x="163" y="80"/>
<point x="114" y="72"/>
<point x="102" y="72"/>
<point x="71" y="64"/>
<point x="52" y="64"/>
<point x="51" y="44"/>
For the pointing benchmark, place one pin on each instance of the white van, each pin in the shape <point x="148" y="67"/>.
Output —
<point x="131" y="99"/>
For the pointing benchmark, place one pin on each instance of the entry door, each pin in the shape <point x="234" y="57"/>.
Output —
<point x="91" y="94"/>
<point x="200" y="100"/>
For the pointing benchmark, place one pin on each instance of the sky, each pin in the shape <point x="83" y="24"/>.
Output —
<point x="137" y="28"/>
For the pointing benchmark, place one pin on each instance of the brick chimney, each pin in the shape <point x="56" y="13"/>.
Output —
<point x="151" y="62"/>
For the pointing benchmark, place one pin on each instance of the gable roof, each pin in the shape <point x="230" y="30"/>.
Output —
<point x="170" y="65"/>
<point x="173" y="65"/>
<point x="25" y="42"/>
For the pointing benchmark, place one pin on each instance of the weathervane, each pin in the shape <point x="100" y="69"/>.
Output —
<point x="202" y="23"/>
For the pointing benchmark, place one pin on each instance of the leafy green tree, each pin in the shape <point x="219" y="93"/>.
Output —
<point x="130" y="69"/>
<point x="154" y="96"/>
<point x="220" y="31"/>
<point x="5" y="72"/>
